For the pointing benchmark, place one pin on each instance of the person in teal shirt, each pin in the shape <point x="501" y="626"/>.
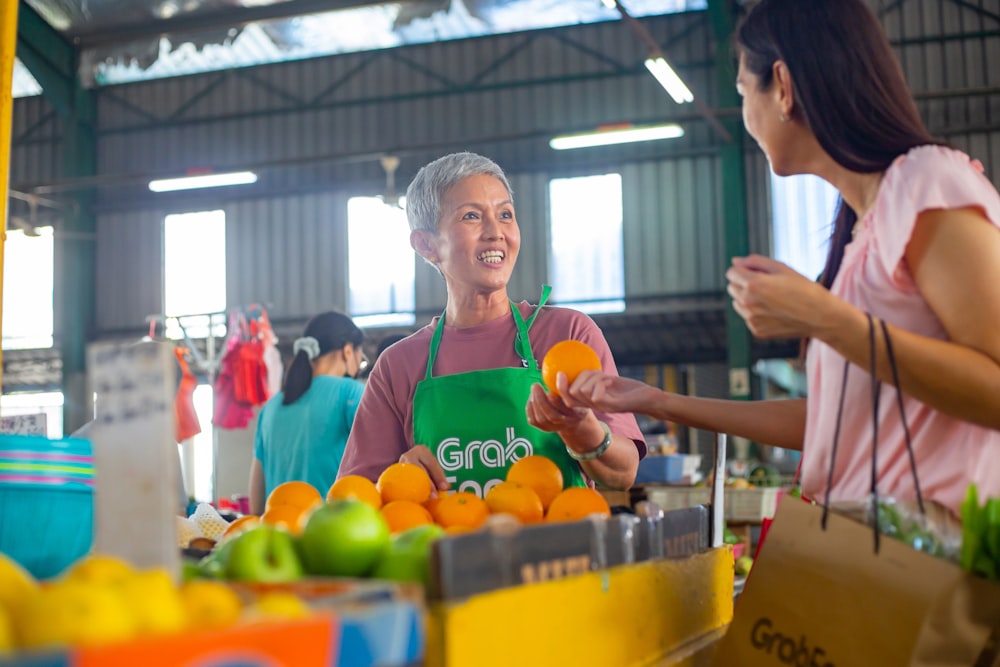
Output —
<point x="302" y="430"/>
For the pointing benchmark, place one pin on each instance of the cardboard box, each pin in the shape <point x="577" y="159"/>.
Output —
<point x="472" y="563"/>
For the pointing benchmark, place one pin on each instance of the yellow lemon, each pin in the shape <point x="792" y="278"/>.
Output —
<point x="6" y="632"/>
<point x="71" y="613"/>
<point x="100" y="569"/>
<point x="155" y="602"/>
<point x="277" y="606"/>
<point x="17" y="586"/>
<point x="210" y="604"/>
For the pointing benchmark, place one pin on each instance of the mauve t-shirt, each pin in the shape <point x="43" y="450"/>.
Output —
<point x="383" y="425"/>
<point x="874" y="276"/>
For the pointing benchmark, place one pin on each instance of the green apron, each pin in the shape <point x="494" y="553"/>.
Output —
<point x="475" y="424"/>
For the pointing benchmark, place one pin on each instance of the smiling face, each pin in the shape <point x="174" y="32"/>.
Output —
<point x="478" y="239"/>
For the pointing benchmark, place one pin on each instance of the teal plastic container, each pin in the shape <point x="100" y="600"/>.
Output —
<point x="46" y="501"/>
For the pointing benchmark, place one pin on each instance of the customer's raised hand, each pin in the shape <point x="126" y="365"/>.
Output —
<point x="774" y="300"/>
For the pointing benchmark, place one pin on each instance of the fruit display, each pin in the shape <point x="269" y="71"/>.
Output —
<point x="102" y="600"/>
<point x="382" y="529"/>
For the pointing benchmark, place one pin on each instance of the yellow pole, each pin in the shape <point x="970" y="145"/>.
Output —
<point x="8" y="46"/>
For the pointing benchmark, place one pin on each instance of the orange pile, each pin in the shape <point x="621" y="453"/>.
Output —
<point x="289" y="504"/>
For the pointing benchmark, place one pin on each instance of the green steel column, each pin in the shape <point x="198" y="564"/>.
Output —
<point x="76" y="265"/>
<point x="54" y="63"/>
<point x="734" y="200"/>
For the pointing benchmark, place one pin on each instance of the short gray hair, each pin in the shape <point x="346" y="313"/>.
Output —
<point x="423" y="196"/>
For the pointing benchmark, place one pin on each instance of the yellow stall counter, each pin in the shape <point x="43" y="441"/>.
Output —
<point x="664" y="612"/>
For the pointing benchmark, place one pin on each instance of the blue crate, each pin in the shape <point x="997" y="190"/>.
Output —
<point x="661" y="470"/>
<point x="46" y="501"/>
<point x="383" y="634"/>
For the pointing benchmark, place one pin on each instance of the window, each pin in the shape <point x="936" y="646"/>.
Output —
<point x="194" y="295"/>
<point x="587" y="265"/>
<point x="194" y="272"/>
<point x="381" y="263"/>
<point x="802" y="211"/>
<point x="27" y="289"/>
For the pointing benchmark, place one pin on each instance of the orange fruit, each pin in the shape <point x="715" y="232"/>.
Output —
<point x="577" y="503"/>
<point x="539" y="474"/>
<point x="355" y="486"/>
<point x="239" y="525"/>
<point x="295" y="493"/>
<point x="404" y="481"/>
<point x="432" y="503"/>
<point x="571" y="357"/>
<point x="405" y="514"/>
<point x="289" y="517"/>
<point x="516" y="499"/>
<point x="461" y="509"/>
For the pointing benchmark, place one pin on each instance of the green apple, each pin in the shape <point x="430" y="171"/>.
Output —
<point x="409" y="554"/>
<point x="213" y="566"/>
<point x="264" y="554"/>
<point x="743" y="565"/>
<point x="343" y="538"/>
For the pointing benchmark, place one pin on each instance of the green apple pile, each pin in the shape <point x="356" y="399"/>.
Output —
<point x="341" y="538"/>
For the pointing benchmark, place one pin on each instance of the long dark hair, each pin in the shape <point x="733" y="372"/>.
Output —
<point x="849" y="88"/>
<point x="332" y="331"/>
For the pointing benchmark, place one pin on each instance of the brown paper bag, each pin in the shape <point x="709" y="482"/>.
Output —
<point x="962" y="626"/>
<point x="820" y="598"/>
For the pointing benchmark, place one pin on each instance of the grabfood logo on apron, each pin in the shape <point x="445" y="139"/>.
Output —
<point x="481" y="456"/>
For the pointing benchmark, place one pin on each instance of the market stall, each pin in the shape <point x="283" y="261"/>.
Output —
<point x="624" y="589"/>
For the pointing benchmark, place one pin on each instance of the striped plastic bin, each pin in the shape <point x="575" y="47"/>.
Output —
<point x="46" y="501"/>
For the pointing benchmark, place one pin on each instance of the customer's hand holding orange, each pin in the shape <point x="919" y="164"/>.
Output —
<point x="561" y="365"/>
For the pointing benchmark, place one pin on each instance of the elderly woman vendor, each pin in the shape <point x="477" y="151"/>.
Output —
<point x="461" y="396"/>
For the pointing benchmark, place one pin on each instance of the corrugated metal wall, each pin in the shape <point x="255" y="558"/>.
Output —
<point x="315" y="128"/>
<point x="129" y="273"/>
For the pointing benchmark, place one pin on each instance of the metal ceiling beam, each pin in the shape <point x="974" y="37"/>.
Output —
<point x="209" y="20"/>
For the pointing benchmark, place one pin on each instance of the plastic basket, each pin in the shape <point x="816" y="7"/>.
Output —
<point x="46" y="501"/>
<point x="751" y="505"/>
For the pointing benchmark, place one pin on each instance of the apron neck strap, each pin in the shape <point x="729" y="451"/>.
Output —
<point x="522" y="345"/>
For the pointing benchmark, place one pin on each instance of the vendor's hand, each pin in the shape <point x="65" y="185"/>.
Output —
<point x="548" y="412"/>
<point x="420" y="455"/>
<point x="606" y="393"/>
<point x="774" y="300"/>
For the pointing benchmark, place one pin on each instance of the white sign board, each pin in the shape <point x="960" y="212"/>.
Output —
<point x="35" y="424"/>
<point x="135" y="454"/>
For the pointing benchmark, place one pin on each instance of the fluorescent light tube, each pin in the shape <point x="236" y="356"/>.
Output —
<point x="202" y="181"/>
<point x="665" y="74"/>
<point x="620" y="136"/>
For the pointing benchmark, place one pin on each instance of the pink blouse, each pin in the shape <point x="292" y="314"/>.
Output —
<point x="950" y="453"/>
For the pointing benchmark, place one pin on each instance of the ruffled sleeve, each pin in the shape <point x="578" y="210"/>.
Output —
<point x="928" y="178"/>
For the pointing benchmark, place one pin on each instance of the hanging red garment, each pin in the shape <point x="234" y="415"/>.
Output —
<point x="250" y="372"/>
<point x="186" y="422"/>
<point x="231" y="412"/>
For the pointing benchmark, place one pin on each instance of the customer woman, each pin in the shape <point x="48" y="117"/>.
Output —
<point x="915" y="243"/>
<point x="302" y="431"/>
<point x="451" y="397"/>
